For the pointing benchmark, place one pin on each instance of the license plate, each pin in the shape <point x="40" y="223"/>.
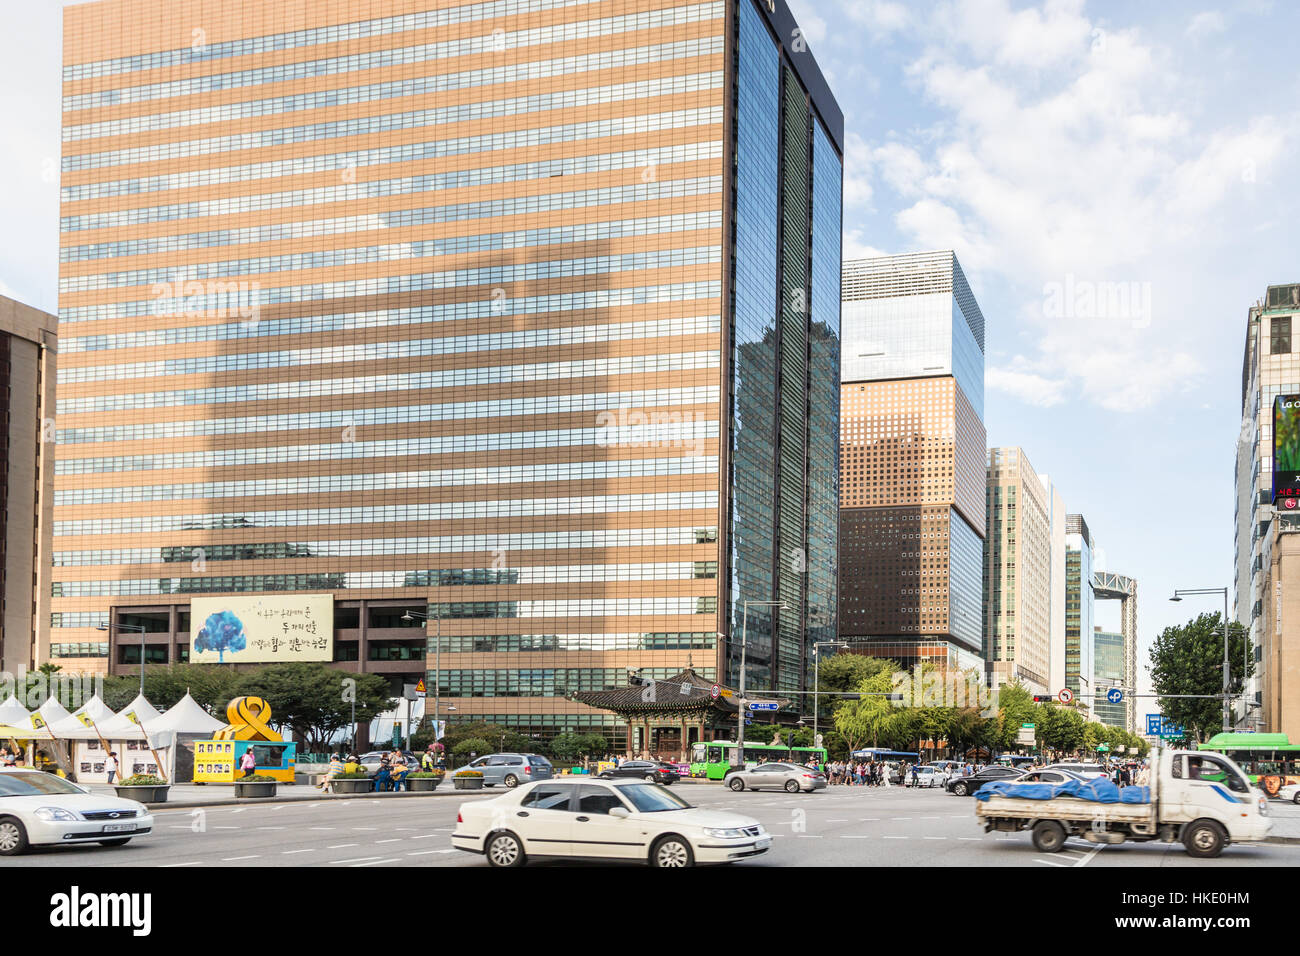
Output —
<point x="118" y="827"/>
<point x="763" y="843"/>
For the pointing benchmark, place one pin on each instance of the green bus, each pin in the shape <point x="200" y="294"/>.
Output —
<point x="1271" y="761"/>
<point x="711" y="758"/>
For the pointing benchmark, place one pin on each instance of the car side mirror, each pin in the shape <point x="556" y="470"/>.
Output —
<point x="620" y="812"/>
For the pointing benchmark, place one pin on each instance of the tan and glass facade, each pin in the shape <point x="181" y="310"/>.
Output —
<point x="28" y="366"/>
<point x="1017" y="573"/>
<point x="522" y="313"/>
<point x="912" y="473"/>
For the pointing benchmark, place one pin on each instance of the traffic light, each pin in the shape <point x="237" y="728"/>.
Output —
<point x="1042" y="698"/>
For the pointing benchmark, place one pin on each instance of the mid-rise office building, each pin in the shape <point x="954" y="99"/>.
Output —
<point x="1056" y="578"/>
<point x="1079" y="609"/>
<point x="1109" y="668"/>
<point x="1017" y="573"/>
<point x="520" y="314"/>
<point x="1262" y="585"/>
<point x="28" y="358"/>
<point x="913" y="462"/>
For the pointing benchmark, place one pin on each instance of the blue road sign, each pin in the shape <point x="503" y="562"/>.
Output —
<point x="764" y="705"/>
<point x="1114" y="695"/>
<point x="1159" y="725"/>
<point x="748" y="721"/>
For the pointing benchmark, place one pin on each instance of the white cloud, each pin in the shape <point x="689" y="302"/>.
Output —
<point x="853" y="246"/>
<point x="1029" y="387"/>
<point x="1206" y="24"/>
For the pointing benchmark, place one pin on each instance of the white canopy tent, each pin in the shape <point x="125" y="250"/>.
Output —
<point x="13" y="713"/>
<point x="120" y="728"/>
<point x="187" y="717"/>
<point x="53" y="712"/>
<point x="70" y="728"/>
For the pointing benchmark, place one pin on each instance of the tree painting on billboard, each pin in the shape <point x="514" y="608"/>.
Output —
<point x="1286" y="446"/>
<point x="221" y="632"/>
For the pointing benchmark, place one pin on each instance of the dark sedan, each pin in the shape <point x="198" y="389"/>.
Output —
<point x="652" y="771"/>
<point x="965" y="786"/>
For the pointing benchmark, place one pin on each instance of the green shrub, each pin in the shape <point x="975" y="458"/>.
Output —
<point x="142" y="780"/>
<point x="256" y="778"/>
<point x="424" y="774"/>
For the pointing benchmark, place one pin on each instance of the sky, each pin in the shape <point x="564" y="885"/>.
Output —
<point x="1116" y="179"/>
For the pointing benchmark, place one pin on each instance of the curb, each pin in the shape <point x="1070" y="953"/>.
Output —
<point x="262" y="801"/>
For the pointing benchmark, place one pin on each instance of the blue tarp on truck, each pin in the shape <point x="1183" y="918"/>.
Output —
<point x="1099" y="790"/>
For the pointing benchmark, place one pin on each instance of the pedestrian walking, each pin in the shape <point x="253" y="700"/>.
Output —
<point x="248" y="763"/>
<point x="110" y="765"/>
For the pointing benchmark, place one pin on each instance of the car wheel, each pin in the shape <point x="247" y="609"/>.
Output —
<point x="606" y="775"/>
<point x="736" y="784"/>
<point x="504" y="849"/>
<point x="1204" y="839"/>
<point x="1296" y="798"/>
<point x="13" y="837"/>
<point x="512" y="781"/>
<point x="960" y="789"/>
<point x="672" y="851"/>
<point x="792" y="786"/>
<point x="119" y="841"/>
<point x="1048" y="836"/>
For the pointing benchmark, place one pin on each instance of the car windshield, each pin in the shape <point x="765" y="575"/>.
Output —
<point x="652" y="798"/>
<point x="34" y="784"/>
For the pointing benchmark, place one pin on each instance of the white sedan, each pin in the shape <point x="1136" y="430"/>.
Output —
<point x="604" y="819"/>
<point x="40" y="809"/>
<point x="1290" y="792"/>
<point x="930" y="777"/>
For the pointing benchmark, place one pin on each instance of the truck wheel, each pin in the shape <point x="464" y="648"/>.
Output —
<point x="1049" y="836"/>
<point x="1204" y="839"/>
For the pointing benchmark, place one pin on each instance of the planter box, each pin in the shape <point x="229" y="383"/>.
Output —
<point x="258" y="789"/>
<point x="467" y="783"/>
<point x="144" y="794"/>
<point x="352" y="786"/>
<point x="422" y="784"/>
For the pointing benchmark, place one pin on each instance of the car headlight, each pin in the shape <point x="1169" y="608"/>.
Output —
<point x="52" y="814"/>
<point x="729" y="833"/>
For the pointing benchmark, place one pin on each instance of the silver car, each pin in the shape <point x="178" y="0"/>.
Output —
<point x="510" y="769"/>
<point x="789" y="777"/>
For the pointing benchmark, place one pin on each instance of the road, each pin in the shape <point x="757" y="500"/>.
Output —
<point x="840" y="826"/>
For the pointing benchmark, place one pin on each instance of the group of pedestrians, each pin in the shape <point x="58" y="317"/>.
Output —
<point x="392" y="772"/>
<point x="858" y="773"/>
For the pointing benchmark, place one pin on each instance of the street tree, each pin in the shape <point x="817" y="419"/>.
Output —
<point x="314" y="700"/>
<point x="1188" y="659"/>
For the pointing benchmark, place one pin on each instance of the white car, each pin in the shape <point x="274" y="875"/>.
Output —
<point x="929" y="777"/>
<point x="1290" y="792"/>
<point x="604" y="819"/>
<point x="40" y="809"/>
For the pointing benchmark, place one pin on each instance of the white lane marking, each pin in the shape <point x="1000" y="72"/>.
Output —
<point x="240" y="810"/>
<point x="194" y="863"/>
<point x="934" y="838"/>
<point x="357" y="859"/>
<point x="377" y="862"/>
<point x="854" y="836"/>
<point x="232" y="859"/>
<point x="320" y="828"/>
<point x="809" y="836"/>
<point x="341" y="846"/>
<point x="393" y="840"/>
<point x="868" y="819"/>
<point x="308" y="850"/>
<point x="896" y="838"/>
<point x="971" y="839"/>
<point x="270" y="828"/>
<point x="1048" y="862"/>
<point x="424" y="836"/>
<point x="427" y="852"/>
<point x="1088" y="859"/>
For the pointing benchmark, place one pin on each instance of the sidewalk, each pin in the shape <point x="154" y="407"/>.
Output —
<point x="187" y="795"/>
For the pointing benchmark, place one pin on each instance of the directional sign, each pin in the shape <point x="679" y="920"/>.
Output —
<point x="764" y="705"/>
<point x="1065" y="696"/>
<point x="1160" y="726"/>
<point x="1114" y="695"/>
<point x="715" y="691"/>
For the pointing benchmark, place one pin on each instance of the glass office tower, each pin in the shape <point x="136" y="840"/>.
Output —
<point x="517" y="313"/>
<point x="1109" y="670"/>
<point x="1080" y="602"/>
<point x="913" y="468"/>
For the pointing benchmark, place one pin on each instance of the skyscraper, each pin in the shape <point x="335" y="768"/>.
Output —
<point x="1017" y="573"/>
<point x="913" y="462"/>
<point x="28" y="354"/>
<point x="520" y="314"/>
<point x="1109" y="668"/>
<point x="1056" y="630"/>
<point x="1079" y="607"/>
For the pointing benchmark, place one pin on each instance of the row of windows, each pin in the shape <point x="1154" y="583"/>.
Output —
<point x="371" y="384"/>
<point x="451" y="245"/>
<point x="417" y="86"/>
<point x="410" y="119"/>
<point x="545" y="682"/>
<point x="319" y="581"/>
<point x="352" y="192"/>
<point x="171" y="279"/>
<point x="469" y="345"/>
<point x="379" y="27"/>
<point x="82" y="649"/>
<point x="613" y="607"/>
<point x="455" y="146"/>
<point x="224" y="300"/>
<point x="523" y="643"/>
<point x="393" y="414"/>
<point x="395" y="56"/>
<point x="333" y="484"/>
<point x="672" y="434"/>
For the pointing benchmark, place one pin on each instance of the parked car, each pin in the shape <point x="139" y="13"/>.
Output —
<point x="965" y="786"/>
<point x="1049" y="775"/>
<point x="1088" y="771"/>
<point x="604" y="819"/>
<point x="652" y="771"/>
<point x="370" y="760"/>
<point x="41" y="809"/>
<point x="789" y="777"/>
<point x="510" y="769"/>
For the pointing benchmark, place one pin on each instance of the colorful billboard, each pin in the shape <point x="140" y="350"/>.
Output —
<point x="1286" y="448"/>
<point x="261" y="629"/>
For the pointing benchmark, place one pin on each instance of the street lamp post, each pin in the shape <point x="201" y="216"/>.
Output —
<point x="1227" y="683"/>
<point x="128" y="627"/>
<point x="742" y="705"/>
<point x="437" y="658"/>
<point x="817" y="684"/>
